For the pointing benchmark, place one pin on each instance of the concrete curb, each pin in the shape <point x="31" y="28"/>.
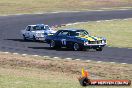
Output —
<point x="73" y="59"/>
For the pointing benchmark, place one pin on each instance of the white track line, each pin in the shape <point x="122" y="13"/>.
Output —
<point x="102" y="9"/>
<point x="123" y="9"/>
<point x="46" y="56"/>
<point x="99" y="10"/>
<point x="15" y="53"/>
<point x="95" y="21"/>
<point x="88" y="60"/>
<point x="76" y="23"/>
<point x="35" y="55"/>
<point x="98" y="21"/>
<point x="68" y="58"/>
<point x="112" y="62"/>
<point x="24" y="54"/>
<point x="77" y="59"/>
<point x="6" y="52"/>
<point x="69" y="24"/>
<point x="56" y="57"/>
<point x="123" y="63"/>
<point x="125" y="19"/>
<point x="99" y="61"/>
<point x="108" y="20"/>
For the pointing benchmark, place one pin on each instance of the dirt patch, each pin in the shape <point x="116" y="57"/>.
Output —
<point x="41" y="64"/>
<point x="102" y="70"/>
<point x="55" y="65"/>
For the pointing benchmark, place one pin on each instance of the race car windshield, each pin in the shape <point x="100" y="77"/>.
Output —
<point x="80" y="33"/>
<point x="35" y="28"/>
<point x="47" y="27"/>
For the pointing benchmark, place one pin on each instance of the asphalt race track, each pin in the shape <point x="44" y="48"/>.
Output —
<point x="11" y="39"/>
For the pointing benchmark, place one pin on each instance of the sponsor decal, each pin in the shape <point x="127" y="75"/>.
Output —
<point x="88" y="38"/>
<point x="91" y="38"/>
<point x="86" y="81"/>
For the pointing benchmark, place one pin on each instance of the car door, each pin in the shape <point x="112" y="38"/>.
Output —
<point x="31" y="32"/>
<point x="69" y="39"/>
<point x="27" y="32"/>
<point x="61" y="38"/>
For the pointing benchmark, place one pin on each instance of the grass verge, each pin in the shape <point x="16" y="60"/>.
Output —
<point x="33" y="6"/>
<point x="117" y="32"/>
<point x="30" y="72"/>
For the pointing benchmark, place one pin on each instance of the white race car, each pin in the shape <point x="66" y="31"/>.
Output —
<point x="37" y="32"/>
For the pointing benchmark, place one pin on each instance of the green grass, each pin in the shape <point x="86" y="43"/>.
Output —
<point x="18" y="71"/>
<point x="10" y="81"/>
<point x="38" y="78"/>
<point x="118" y="32"/>
<point x="7" y="81"/>
<point x="24" y="80"/>
<point x="34" y="6"/>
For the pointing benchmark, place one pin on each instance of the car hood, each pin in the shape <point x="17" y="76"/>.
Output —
<point x="39" y="31"/>
<point x="91" y="38"/>
<point x="45" y="31"/>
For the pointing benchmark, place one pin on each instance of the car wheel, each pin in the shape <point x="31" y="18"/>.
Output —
<point x="99" y="49"/>
<point x="76" y="46"/>
<point x="24" y="38"/>
<point x="52" y="44"/>
<point x="34" y="38"/>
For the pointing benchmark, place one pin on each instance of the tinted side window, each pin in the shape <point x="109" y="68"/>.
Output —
<point x="35" y="28"/>
<point x="63" y="33"/>
<point x="46" y="27"/>
<point x="74" y="33"/>
<point x="28" y="28"/>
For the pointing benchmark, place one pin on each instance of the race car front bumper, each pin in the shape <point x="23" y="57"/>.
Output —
<point x="94" y="46"/>
<point x="40" y="38"/>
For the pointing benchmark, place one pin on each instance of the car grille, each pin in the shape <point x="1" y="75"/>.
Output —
<point x="95" y="42"/>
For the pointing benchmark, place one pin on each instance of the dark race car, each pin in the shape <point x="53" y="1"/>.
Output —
<point x="76" y="39"/>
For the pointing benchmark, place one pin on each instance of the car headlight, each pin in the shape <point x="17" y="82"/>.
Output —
<point x="103" y="41"/>
<point x="86" y="43"/>
<point x="39" y="34"/>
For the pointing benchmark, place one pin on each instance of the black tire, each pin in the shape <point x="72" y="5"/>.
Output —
<point x="99" y="49"/>
<point x="52" y="44"/>
<point x="24" y="38"/>
<point x="34" y="38"/>
<point x="76" y="47"/>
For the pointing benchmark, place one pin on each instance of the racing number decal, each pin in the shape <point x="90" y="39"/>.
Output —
<point x="63" y="41"/>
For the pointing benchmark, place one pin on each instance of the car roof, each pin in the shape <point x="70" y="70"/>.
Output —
<point x="72" y="29"/>
<point x="38" y="25"/>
